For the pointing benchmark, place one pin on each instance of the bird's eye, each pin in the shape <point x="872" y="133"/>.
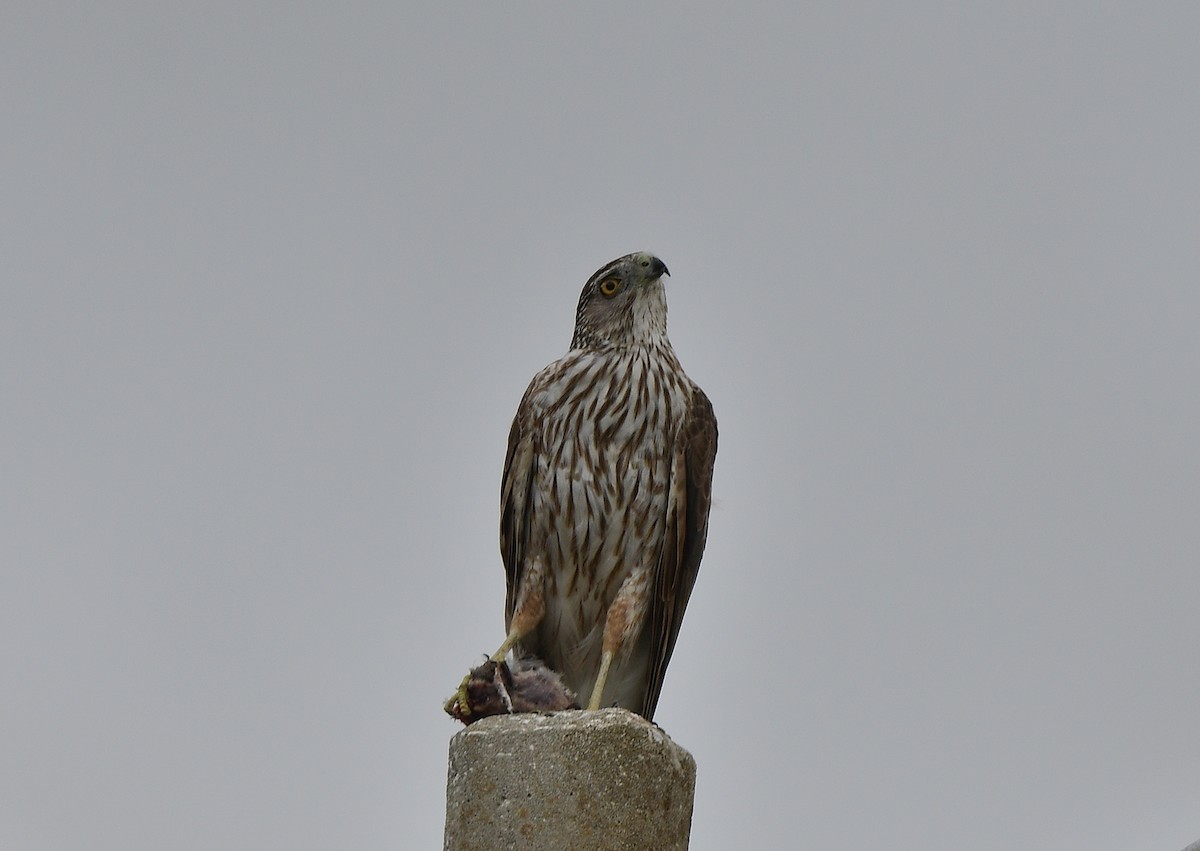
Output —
<point x="609" y="287"/>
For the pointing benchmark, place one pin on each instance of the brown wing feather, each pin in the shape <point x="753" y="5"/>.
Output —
<point x="514" y="508"/>
<point x="686" y="532"/>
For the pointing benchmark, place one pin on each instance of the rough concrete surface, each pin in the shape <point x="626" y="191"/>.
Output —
<point x="568" y="780"/>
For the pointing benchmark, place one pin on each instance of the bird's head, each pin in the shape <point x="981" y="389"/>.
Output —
<point x="623" y="305"/>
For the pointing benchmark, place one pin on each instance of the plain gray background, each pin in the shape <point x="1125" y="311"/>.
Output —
<point x="276" y="276"/>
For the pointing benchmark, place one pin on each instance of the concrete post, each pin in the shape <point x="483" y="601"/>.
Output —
<point x="569" y="780"/>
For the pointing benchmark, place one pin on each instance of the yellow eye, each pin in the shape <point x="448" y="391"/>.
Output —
<point x="609" y="287"/>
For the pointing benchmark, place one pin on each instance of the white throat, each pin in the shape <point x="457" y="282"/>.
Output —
<point x="650" y="315"/>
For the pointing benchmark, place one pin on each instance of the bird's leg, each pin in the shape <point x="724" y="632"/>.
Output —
<point x="621" y="626"/>
<point x="528" y="613"/>
<point x="606" y="657"/>
<point x="519" y="629"/>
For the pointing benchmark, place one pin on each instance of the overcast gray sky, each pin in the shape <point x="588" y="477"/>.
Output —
<point x="276" y="276"/>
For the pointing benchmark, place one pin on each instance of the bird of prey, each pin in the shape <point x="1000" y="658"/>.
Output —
<point x="605" y="496"/>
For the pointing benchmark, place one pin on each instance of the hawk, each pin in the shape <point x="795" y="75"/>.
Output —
<point x="605" y="496"/>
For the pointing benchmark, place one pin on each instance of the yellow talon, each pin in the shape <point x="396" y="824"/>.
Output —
<point x="461" y="698"/>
